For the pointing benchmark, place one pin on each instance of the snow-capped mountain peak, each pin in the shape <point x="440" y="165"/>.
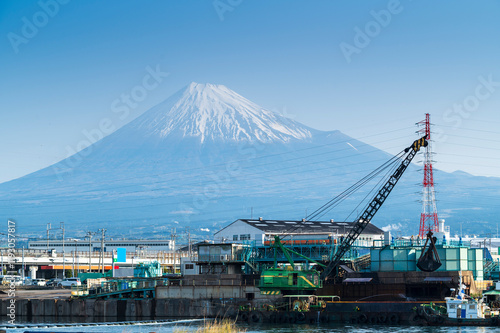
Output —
<point x="214" y="112"/>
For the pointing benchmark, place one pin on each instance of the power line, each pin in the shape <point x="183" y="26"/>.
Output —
<point x="473" y="138"/>
<point x="479" y="157"/>
<point x="470" y="129"/>
<point x="318" y="213"/>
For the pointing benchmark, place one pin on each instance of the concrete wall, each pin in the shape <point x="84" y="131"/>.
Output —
<point x="37" y="310"/>
<point x="111" y="308"/>
<point x="208" y="292"/>
<point x="171" y="301"/>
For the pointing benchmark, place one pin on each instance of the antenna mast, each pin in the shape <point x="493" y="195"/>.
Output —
<point x="428" y="217"/>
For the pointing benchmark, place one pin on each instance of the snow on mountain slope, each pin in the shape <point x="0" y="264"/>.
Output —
<point x="214" y="112"/>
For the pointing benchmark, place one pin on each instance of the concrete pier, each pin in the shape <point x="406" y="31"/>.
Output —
<point x="172" y="301"/>
<point x="118" y="309"/>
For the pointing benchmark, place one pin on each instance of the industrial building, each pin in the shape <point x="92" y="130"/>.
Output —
<point x="79" y="245"/>
<point x="262" y="231"/>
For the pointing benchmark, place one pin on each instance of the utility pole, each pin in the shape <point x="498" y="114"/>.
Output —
<point x="113" y="262"/>
<point x="188" y="231"/>
<point x="89" y="235"/>
<point x="49" y="228"/>
<point x="173" y="236"/>
<point x="64" y="255"/>
<point x="101" y="257"/>
<point x="23" y="268"/>
<point x="48" y="236"/>
<point x="74" y="257"/>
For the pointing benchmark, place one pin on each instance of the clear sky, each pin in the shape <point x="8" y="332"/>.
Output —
<point x="370" y="69"/>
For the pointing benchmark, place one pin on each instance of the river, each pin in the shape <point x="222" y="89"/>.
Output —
<point x="193" y="326"/>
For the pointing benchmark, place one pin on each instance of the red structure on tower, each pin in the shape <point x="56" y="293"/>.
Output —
<point x="428" y="217"/>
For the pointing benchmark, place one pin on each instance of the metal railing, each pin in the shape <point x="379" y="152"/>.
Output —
<point x="211" y="282"/>
<point x="96" y="254"/>
<point x="111" y="286"/>
<point x="419" y="243"/>
<point x="220" y="257"/>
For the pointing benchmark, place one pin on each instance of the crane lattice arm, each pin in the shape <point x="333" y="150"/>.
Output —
<point x="287" y="251"/>
<point x="362" y="221"/>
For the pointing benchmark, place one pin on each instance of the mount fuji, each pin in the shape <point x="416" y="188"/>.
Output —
<point x="215" y="113"/>
<point x="207" y="156"/>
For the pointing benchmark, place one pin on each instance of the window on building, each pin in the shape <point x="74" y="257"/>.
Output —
<point x="189" y="266"/>
<point x="245" y="237"/>
<point x="235" y="237"/>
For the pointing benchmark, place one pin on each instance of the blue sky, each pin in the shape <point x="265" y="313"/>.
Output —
<point x="404" y="58"/>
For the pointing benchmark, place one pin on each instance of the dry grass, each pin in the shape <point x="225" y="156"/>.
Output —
<point x="216" y="326"/>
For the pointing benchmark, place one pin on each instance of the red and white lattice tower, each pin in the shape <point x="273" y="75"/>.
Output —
<point x="428" y="218"/>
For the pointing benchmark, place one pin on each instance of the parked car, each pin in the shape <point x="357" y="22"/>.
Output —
<point x="15" y="279"/>
<point x="28" y="282"/>
<point x="69" y="282"/>
<point x="53" y="282"/>
<point x="39" y="282"/>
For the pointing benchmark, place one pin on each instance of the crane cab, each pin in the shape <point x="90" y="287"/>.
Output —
<point x="283" y="281"/>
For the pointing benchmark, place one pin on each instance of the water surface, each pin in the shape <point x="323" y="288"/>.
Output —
<point x="193" y="326"/>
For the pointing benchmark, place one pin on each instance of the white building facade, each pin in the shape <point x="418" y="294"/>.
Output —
<point x="262" y="231"/>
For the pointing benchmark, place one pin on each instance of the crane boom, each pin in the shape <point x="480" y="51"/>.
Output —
<point x="364" y="219"/>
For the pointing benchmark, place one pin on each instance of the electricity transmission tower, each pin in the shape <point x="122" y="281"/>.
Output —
<point x="428" y="217"/>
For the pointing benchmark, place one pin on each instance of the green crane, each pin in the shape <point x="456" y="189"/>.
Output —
<point x="289" y="280"/>
<point x="306" y="281"/>
<point x="372" y="208"/>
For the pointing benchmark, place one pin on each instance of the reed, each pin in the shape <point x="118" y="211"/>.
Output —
<point x="216" y="326"/>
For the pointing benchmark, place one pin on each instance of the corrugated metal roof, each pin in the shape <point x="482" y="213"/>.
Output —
<point x="346" y="268"/>
<point x="287" y="226"/>
<point x="358" y="280"/>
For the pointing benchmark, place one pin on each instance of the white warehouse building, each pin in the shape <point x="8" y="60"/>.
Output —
<point x="262" y="231"/>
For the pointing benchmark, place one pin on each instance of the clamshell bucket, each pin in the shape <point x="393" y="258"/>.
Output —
<point x="429" y="259"/>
